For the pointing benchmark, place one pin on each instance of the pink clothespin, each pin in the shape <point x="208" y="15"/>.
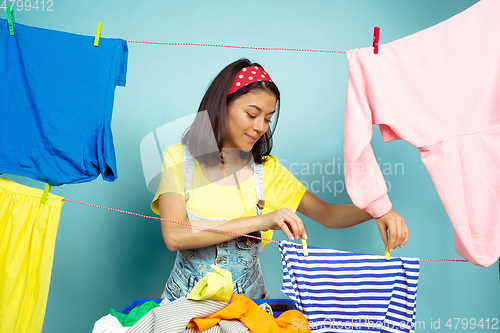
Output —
<point x="376" y="35"/>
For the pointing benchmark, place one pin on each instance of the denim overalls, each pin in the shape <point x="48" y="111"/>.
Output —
<point x="239" y="256"/>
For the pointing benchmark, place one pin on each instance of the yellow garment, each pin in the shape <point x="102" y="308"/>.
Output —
<point x="281" y="189"/>
<point x="28" y="231"/>
<point x="257" y="320"/>
<point x="216" y="285"/>
<point x="266" y="235"/>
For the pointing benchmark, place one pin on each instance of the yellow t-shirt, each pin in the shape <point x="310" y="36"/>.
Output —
<point x="207" y="200"/>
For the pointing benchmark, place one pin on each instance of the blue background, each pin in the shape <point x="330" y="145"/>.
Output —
<point x="106" y="259"/>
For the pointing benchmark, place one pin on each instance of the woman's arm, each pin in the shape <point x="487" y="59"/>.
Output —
<point x="180" y="237"/>
<point x="345" y="216"/>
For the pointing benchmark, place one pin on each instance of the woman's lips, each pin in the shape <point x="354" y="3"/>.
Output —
<point x="250" y="138"/>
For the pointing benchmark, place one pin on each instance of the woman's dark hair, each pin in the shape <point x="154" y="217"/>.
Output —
<point x="200" y="134"/>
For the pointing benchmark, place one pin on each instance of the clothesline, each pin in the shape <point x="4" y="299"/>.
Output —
<point x="237" y="47"/>
<point x="216" y="230"/>
<point x="176" y="222"/>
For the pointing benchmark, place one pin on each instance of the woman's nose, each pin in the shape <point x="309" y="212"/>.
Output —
<point x="258" y="124"/>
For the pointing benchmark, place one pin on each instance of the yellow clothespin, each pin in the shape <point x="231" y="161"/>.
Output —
<point x="46" y="192"/>
<point x="98" y="34"/>
<point x="304" y="247"/>
<point x="387" y="253"/>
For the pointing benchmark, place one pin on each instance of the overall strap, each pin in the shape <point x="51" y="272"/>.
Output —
<point x="188" y="172"/>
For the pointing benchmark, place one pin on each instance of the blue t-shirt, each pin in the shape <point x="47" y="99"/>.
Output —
<point x="56" y="100"/>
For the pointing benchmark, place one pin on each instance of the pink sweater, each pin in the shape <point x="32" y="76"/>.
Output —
<point x="439" y="90"/>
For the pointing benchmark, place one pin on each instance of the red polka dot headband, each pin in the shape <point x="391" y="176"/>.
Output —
<point x="248" y="75"/>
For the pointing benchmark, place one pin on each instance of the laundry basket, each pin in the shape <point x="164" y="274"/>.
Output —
<point x="277" y="305"/>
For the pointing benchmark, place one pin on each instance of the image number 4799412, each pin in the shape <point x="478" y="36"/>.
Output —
<point x="28" y="5"/>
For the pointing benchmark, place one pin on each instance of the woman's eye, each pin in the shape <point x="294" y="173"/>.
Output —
<point x="253" y="117"/>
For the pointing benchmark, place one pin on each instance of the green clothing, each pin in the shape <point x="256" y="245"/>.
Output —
<point x="135" y="314"/>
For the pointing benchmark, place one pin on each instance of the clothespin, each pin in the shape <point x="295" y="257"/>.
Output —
<point x="387" y="253"/>
<point x="46" y="192"/>
<point x="304" y="247"/>
<point x="98" y="34"/>
<point x="376" y="36"/>
<point x="10" y="19"/>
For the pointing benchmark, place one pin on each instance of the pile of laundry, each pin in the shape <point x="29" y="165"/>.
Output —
<point x="210" y="307"/>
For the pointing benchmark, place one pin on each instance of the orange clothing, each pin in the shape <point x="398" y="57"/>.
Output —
<point x="257" y="320"/>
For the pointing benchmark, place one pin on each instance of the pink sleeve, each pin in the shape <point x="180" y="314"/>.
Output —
<point x="364" y="181"/>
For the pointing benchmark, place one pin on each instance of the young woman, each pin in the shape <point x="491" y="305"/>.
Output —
<point x="223" y="177"/>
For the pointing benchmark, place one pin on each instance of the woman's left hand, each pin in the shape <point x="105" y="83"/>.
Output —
<point x="398" y="231"/>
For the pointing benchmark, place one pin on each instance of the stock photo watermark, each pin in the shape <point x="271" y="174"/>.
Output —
<point x="28" y="5"/>
<point x="376" y="325"/>
<point x="328" y="177"/>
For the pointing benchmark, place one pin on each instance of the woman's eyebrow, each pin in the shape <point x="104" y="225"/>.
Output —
<point x="259" y="109"/>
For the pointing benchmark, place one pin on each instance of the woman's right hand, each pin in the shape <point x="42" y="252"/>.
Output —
<point x="284" y="219"/>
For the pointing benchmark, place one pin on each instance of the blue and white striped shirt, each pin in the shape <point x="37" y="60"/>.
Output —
<point x="350" y="292"/>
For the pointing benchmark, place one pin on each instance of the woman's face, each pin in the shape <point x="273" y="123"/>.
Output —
<point x="248" y="118"/>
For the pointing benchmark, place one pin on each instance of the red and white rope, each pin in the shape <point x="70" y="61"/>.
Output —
<point x="215" y="230"/>
<point x="237" y="47"/>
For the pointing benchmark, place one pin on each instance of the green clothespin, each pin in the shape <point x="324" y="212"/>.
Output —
<point x="46" y="192"/>
<point x="10" y="19"/>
